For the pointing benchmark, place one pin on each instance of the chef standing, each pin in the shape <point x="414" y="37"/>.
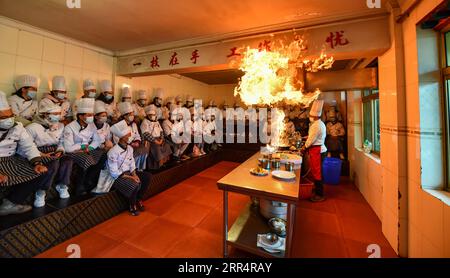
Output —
<point x="140" y="104"/>
<point x="21" y="166"/>
<point x="58" y="96"/>
<point x="315" y="146"/>
<point x="23" y="102"/>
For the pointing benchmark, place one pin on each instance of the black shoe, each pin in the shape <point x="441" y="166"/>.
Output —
<point x="140" y="206"/>
<point x="317" y="199"/>
<point x="133" y="210"/>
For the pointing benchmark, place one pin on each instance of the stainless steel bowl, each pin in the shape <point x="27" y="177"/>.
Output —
<point x="265" y="164"/>
<point x="276" y="164"/>
<point x="272" y="238"/>
<point x="289" y="166"/>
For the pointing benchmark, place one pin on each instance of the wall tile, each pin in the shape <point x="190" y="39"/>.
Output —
<point x="9" y="37"/>
<point x="73" y="80"/>
<point x="73" y="56"/>
<point x="414" y="160"/>
<point x="432" y="220"/>
<point x="105" y="64"/>
<point x="415" y="242"/>
<point x="7" y="68"/>
<point x="53" y="51"/>
<point x="28" y="66"/>
<point x="415" y="209"/>
<point x="7" y="88"/>
<point x="48" y="71"/>
<point x="390" y="226"/>
<point x="430" y="250"/>
<point x="30" y="45"/>
<point x="90" y="60"/>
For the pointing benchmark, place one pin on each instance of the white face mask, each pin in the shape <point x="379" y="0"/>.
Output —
<point x="102" y="120"/>
<point x="90" y="120"/>
<point x="130" y="140"/>
<point x="54" y="118"/>
<point x="130" y="118"/>
<point x="92" y="94"/>
<point x="61" y="96"/>
<point x="7" y="123"/>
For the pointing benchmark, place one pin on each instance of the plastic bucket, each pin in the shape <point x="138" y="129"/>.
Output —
<point x="331" y="170"/>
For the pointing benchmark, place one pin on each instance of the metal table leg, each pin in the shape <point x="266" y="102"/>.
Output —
<point x="225" y="223"/>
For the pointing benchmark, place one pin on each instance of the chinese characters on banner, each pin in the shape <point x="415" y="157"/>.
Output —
<point x="337" y="39"/>
<point x="155" y="62"/>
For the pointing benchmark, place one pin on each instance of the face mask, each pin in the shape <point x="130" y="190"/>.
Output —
<point x="126" y="100"/>
<point x="54" y="118"/>
<point x="108" y="97"/>
<point x="7" y="123"/>
<point x="31" y="94"/>
<point x="102" y="120"/>
<point x="92" y="94"/>
<point x="90" y="120"/>
<point x="153" y="118"/>
<point x="142" y="102"/>
<point x="130" y="118"/>
<point x="61" y="96"/>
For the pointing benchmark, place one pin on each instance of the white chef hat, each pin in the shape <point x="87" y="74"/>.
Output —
<point x="151" y="109"/>
<point x="49" y="108"/>
<point x="189" y="98"/>
<point x="4" y="105"/>
<point x="120" y="129"/>
<point x="212" y="102"/>
<point x="26" y="80"/>
<point x="179" y="98"/>
<point x="85" y="106"/>
<point x="88" y="84"/>
<point x="142" y="94"/>
<point x="99" y="107"/>
<point x="59" y="83"/>
<point x="159" y="93"/>
<point x="316" y="109"/>
<point x="126" y="92"/>
<point x="125" y="108"/>
<point x="105" y="86"/>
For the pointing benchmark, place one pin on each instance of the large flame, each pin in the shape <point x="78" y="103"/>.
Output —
<point x="278" y="128"/>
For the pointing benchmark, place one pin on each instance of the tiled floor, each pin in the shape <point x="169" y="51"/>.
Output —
<point x="186" y="221"/>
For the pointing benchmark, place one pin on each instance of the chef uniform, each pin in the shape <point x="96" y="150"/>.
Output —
<point x="47" y="133"/>
<point x="24" y="105"/>
<point x="82" y="144"/>
<point x="140" y="104"/>
<point x="127" y="96"/>
<point x="58" y="96"/>
<point x="121" y="165"/>
<point x="209" y="131"/>
<point x="107" y="97"/>
<point x="189" y="102"/>
<point x="89" y="91"/>
<point x="157" y="102"/>
<point x="173" y="131"/>
<point x="140" y="149"/>
<point x="103" y="128"/>
<point x="335" y="135"/>
<point x="197" y="132"/>
<point x="315" y="145"/>
<point x="19" y="158"/>
<point x="152" y="132"/>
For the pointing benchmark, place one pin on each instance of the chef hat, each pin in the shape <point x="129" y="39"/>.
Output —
<point x="126" y="92"/>
<point x="99" y="107"/>
<point x="208" y="114"/>
<point x="151" y="109"/>
<point x="189" y="98"/>
<point x="59" y="83"/>
<point x="142" y="94"/>
<point x="179" y="98"/>
<point x="105" y="86"/>
<point x="49" y="108"/>
<point x="212" y="103"/>
<point x="26" y="81"/>
<point x="85" y="106"/>
<point x="159" y="93"/>
<point x="316" y="109"/>
<point x="171" y="100"/>
<point x="125" y="108"/>
<point x="88" y="84"/>
<point x="4" y="105"/>
<point x="120" y="129"/>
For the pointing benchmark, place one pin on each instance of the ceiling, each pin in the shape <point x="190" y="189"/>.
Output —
<point x="231" y="76"/>
<point x="119" y="25"/>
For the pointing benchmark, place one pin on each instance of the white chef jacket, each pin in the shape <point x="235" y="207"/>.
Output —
<point x="316" y="135"/>
<point x="197" y="127"/>
<point x="336" y="129"/>
<point x="177" y="130"/>
<point x="18" y="141"/>
<point x="74" y="137"/>
<point x="228" y="114"/>
<point x="45" y="137"/>
<point x="104" y="133"/>
<point x="120" y="161"/>
<point x="167" y="127"/>
<point x="66" y="109"/>
<point x="153" y="128"/>
<point x="22" y="108"/>
<point x="134" y="134"/>
<point x="139" y="111"/>
<point x="111" y="110"/>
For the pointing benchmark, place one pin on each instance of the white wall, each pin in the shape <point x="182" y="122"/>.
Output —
<point x="28" y="50"/>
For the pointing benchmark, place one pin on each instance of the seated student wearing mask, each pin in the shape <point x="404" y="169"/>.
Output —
<point x="58" y="96"/>
<point x="23" y="102"/>
<point x="152" y="132"/>
<point x="127" y="96"/>
<point x="122" y="168"/>
<point x="189" y="102"/>
<point x="21" y="168"/>
<point x="82" y="144"/>
<point x="140" y="149"/>
<point x="47" y="133"/>
<point x="103" y="128"/>
<point x="197" y="132"/>
<point x="173" y="131"/>
<point x="209" y="131"/>
<point x="157" y="102"/>
<point x="107" y="97"/>
<point x="140" y="104"/>
<point x="89" y="91"/>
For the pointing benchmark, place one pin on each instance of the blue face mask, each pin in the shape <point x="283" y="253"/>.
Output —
<point x="31" y="94"/>
<point x="54" y="118"/>
<point x="108" y="97"/>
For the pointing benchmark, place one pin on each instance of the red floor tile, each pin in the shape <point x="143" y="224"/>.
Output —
<point x="367" y="231"/>
<point x="161" y="204"/>
<point x="187" y="213"/>
<point x="327" y="206"/>
<point x="208" y="197"/>
<point x="318" y="245"/>
<point x="355" y="210"/>
<point x="358" y="249"/>
<point x="314" y="221"/>
<point x="213" y="222"/>
<point x="201" y="182"/>
<point x="182" y="191"/>
<point x="125" y="250"/>
<point x="159" y="237"/>
<point x="198" y="244"/>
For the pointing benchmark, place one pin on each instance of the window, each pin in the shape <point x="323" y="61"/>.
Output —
<point x="371" y="119"/>
<point x="446" y="79"/>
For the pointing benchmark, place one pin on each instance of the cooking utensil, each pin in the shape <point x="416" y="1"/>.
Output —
<point x="289" y="166"/>
<point x="278" y="226"/>
<point x="265" y="163"/>
<point x="276" y="164"/>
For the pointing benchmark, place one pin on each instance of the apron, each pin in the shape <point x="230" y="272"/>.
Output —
<point x="47" y="149"/>
<point x="105" y="181"/>
<point x="315" y="162"/>
<point x="17" y="169"/>
<point x="87" y="160"/>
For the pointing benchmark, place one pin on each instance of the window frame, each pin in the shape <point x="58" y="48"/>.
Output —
<point x="445" y="77"/>
<point x="370" y="99"/>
